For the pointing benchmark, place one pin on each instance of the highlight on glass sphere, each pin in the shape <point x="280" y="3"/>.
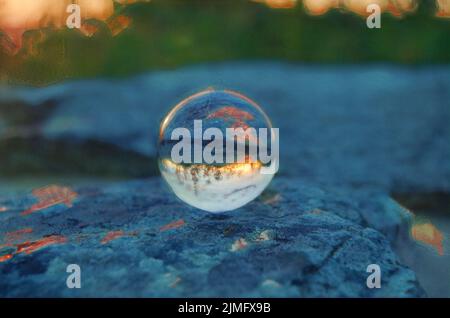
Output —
<point x="217" y="150"/>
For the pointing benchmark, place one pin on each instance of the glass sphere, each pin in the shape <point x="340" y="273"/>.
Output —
<point x="229" y="181"/>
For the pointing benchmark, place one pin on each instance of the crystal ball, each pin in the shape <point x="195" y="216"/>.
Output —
<point x="217" y="150"/>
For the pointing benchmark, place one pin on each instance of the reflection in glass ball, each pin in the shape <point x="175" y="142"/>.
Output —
<point x="221" y="185"/>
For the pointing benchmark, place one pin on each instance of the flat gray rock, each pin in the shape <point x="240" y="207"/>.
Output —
<point x="136" y="239"/>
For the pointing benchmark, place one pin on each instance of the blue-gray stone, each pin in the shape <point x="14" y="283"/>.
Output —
<point x="300" y="241"/>
<point x="359" y="126"/>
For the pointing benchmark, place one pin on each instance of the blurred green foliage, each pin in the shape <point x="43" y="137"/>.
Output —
<point x="168" y="34"/>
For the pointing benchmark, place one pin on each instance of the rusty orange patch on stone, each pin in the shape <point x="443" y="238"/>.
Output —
<point x="112" y="236"/>
<point x="427" y="233"/>
<point x="239" y="244"/>
<point x="172" y="225"/>
<point x="5" y="258"/>
<point x="51" y="196"/>
<point x="17" y="235"/>
<point x="30" y="247"/>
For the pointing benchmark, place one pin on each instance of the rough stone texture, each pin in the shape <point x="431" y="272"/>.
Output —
<point x="301" y="241"/>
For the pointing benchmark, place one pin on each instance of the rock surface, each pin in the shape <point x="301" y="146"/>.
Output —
<point x="136" y="239"/>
